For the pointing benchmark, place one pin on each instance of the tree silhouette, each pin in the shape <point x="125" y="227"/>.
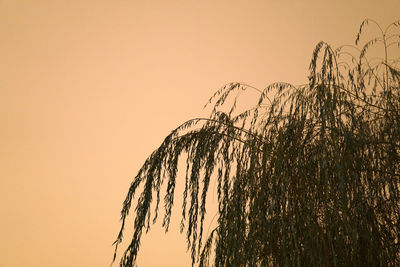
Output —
<point x="308" y="177"/>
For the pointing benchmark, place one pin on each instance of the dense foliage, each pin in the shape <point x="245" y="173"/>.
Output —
<point x="309" y="176"/>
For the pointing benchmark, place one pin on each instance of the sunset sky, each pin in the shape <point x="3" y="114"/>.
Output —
<point x="88" y="89"/>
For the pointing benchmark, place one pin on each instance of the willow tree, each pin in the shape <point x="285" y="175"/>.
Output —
<point x="309" y="176"/>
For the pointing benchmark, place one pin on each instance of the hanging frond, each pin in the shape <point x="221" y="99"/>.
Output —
<point x="309" y="176"/>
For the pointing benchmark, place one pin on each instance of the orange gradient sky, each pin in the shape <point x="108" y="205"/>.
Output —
<point x="88" y="89"/>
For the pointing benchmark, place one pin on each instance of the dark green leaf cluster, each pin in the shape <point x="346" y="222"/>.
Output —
<point x="308" y="177"/>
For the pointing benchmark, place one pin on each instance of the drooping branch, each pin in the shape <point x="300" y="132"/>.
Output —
<point x="306" y="177"/>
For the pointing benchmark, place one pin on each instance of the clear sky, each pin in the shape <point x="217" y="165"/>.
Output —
<point x="88" y="89"/>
